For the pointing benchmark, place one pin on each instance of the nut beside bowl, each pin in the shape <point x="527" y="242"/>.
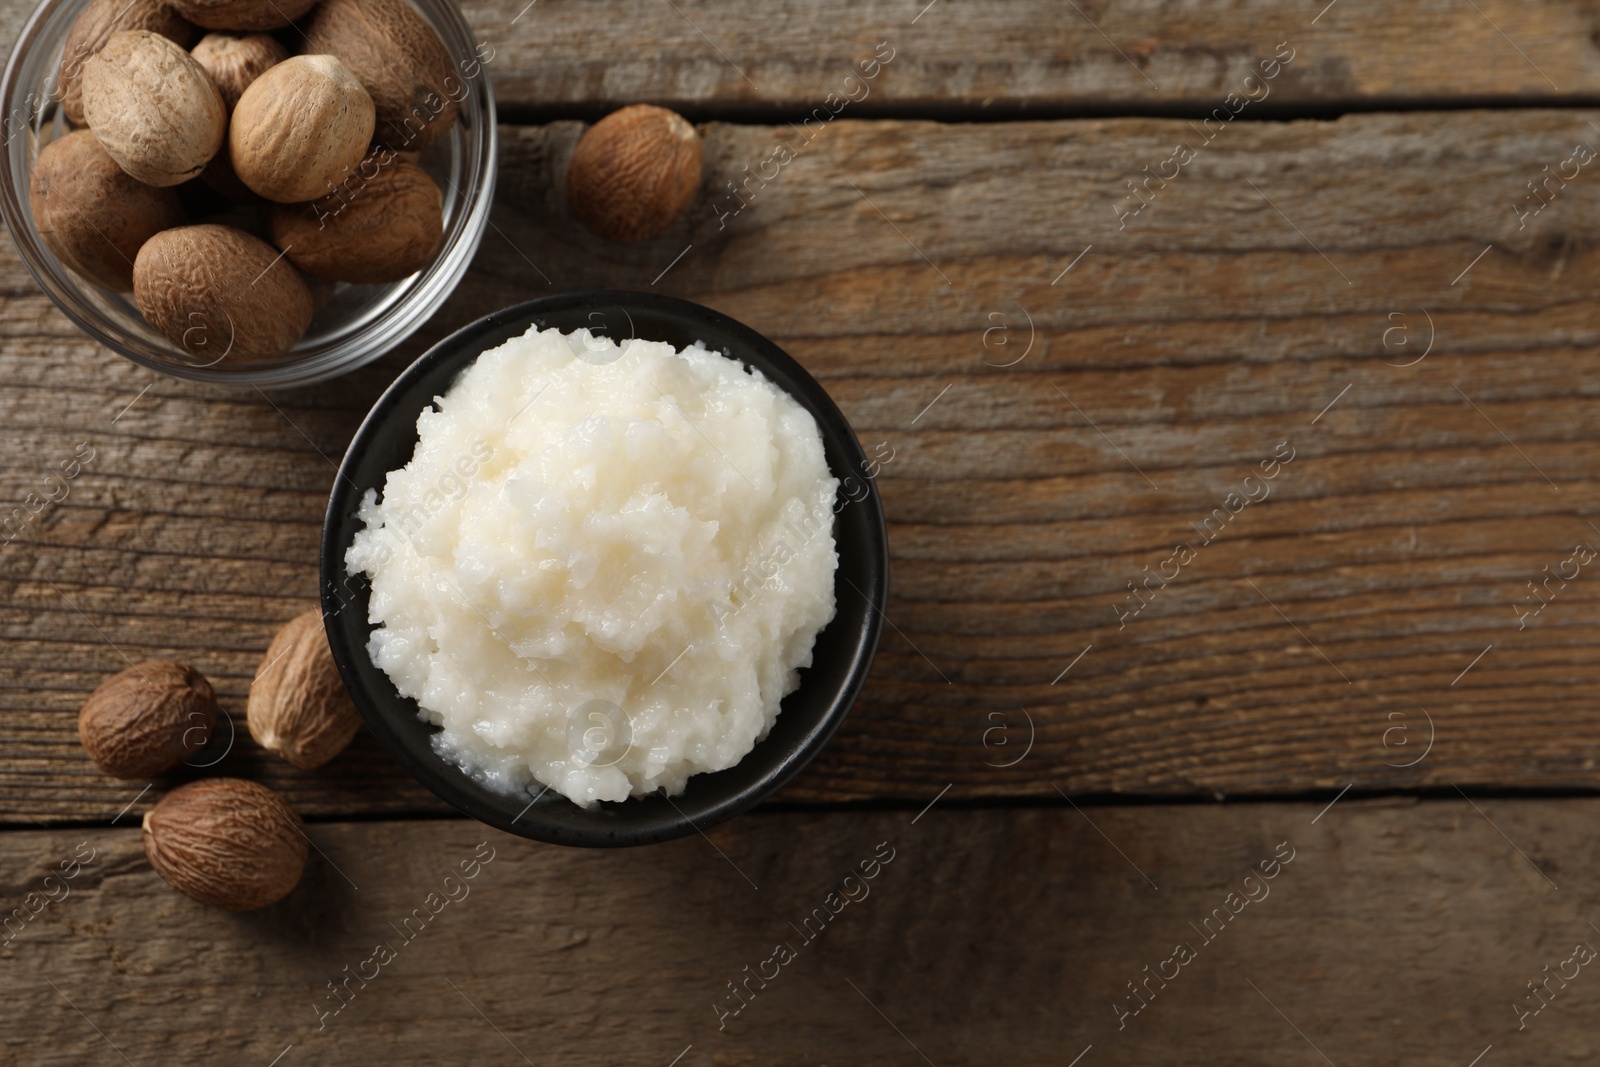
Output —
<point x="842" y="653"/>
<point x="359" y="323"/>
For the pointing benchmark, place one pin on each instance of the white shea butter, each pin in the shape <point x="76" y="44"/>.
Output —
<point x="604" y="566"/>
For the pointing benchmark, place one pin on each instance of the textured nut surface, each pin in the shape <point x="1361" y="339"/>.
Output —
<point x="400" y="59"/>
<point x="235" y="62"/>
<point x="92" y="213"/>
<point x="226" y="842"/>
<point x="147" y="719"/>
<point x="299" y="128"/>
<point x="99" y="21"/>
<point x="298" y="707"/>
<point x="242" y="14"/>
<point x="153" y="107"/>
<point x="375" y="229"/>
<point x="220" y="293"/>
<point x="634" y="172"/>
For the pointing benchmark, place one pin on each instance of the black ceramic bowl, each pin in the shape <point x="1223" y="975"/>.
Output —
<point x="810" y="715"/>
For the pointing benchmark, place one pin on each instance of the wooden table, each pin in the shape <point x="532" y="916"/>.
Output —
<point x="1083" y="745"/>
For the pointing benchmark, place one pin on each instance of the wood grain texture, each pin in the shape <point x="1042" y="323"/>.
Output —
<point x="1308" y="646"/>
<point x="1107" y="55"/>
<point x="989" y="937"/>
<point x="719" y="58"/>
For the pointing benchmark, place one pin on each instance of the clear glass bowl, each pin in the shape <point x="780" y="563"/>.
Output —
<point x="359" y="324"/>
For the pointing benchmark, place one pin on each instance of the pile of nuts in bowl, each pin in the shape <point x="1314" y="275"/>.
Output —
<point x="298" y="121"/>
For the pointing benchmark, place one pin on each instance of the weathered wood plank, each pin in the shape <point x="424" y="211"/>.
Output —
<point x="988" y="937"/>
<point x="1108" y="55"/>
<point x="1324" y="626"/>
<point x="720" y="58"/>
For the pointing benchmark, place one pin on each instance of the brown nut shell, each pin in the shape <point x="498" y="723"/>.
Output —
<point x="380" y="228"/>
<point x="298" y="707"/>
<point x="299" y="128"/>
<point x="219" y="293"/>
<point x="93" y="214"/>
<point x="147" y="719"/>
<point x="242" y="14"/>
<point x="400" y="59"/>
<point x="226" y="842"/>
<point x="98" y="21"/>
<point x="153" y="107"/>
<point x="634" y="173"/>
<point x="234" y="62"/>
